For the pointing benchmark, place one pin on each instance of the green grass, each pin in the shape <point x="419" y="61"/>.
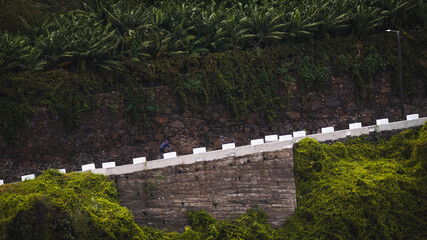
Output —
<point x="361" y="189"/>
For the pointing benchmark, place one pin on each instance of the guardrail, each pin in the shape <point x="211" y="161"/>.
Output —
<point x="268" y="144"/>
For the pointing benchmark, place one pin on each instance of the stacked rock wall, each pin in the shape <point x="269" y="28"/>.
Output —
<point x="108" y="134"/>
<point x="224" y="188"/>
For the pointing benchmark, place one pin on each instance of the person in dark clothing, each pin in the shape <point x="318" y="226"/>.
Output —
<point x="165" y="147"/>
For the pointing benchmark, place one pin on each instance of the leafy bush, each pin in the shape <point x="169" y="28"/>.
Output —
<point x="62" y="93"/>
<point x="70" y="206"/>
<point x="140" y="104"/>
<point x="312" y="75"/>
<point x="360" y="189"/>
<point x="363" y="70"/>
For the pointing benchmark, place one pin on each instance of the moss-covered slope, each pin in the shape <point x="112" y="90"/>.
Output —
<point x="65" y="206"/>
<point x="361" y="189"/>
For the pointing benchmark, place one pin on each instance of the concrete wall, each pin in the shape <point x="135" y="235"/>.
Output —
<point x="225" y="188"/>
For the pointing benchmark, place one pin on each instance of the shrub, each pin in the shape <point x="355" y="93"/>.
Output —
<point x="360" y="189"/>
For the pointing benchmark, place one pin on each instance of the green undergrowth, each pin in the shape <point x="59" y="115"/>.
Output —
<point x="65" y="206"/>
<point x="63" y="94"/>
<point x="360" y="189"/>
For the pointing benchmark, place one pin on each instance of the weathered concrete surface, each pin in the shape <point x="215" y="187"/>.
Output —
<point x="225" y="188"/>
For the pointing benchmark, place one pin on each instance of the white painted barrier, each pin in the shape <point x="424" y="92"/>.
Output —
<point x="355" y="125"/>
<point x="299" y="134"/>
<point x="228" y="146"/>
<point x="199" y="150"/>
<point x="257" y="141"/>
<point x="169" y="155"/>
<point x="28" y="177"/>
<point x="108" y="164"/>
<point x="88" y="167"/>
<point x="328" y="129"/>
<point x="271" y="138"/>
<point x="1" y="182"/>
<point x="382" y="121"/>
<point x="285" y="138"/>
<point x="412" y="117"/>
<point x="62" y="170"/>
<point x="139" y="160"/>
<point x="285" y="141"/>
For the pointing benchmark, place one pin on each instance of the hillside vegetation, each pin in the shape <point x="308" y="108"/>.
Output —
<point x="57" y="54"/>
<point x="361" y="189"/>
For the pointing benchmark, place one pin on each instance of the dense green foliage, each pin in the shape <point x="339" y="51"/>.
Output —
<point x="65" y="206"/>
<point x="65" y="95"/>
<point x="362" y="189"/>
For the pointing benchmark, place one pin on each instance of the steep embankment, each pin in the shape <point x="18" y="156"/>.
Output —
<point x="357" y="190"/>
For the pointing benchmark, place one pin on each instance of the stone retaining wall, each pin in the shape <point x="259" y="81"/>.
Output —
<point x="225" y="188"/>
<point x="108" y="135"/>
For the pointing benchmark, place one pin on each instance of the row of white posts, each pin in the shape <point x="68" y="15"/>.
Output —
<point x="269" y="143"/>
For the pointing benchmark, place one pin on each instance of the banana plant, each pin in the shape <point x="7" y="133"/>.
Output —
<point x="264" y="25"/>
<point x="231" y="33"/>
<point x="395" y="11"/>
<point x="302" y="22"/>
<point x="12" y="52"/>
<point x="33" y="60"/>
<point x="207" y="23"/>
<point x="133" y="26"/>
<point x="366" y="19"/>
<point x="334" y="18"/>
<point x="80" y="39"/>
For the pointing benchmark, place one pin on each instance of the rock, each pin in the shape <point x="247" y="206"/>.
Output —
<point x="333" y="102"/>
<point x="240" y="136"/>
<point x="385" y="89"/>
<point x="125" y="139"/>
<point x="100" y="138"/>
<point x="114" y="151"/>
<point x="161" y="119"/>
<point x="338" y="80"/>
<point x="316" y="105"/>
<point x="351" y="106"/>
<point x="367" y="120"/>
<point x="223" y="120"/>
<point x="383" y="100"/>
<point x="134" y="130"/>
<point x="177" y="124"/>
<point x="187" y="114"/>
<point x="159" y="137"/>
<point x="217" y="144"/>
<point x="140" y="138"/>
<point x="26" y="164"/>
<point x="294" y="115"/>
<point x="123" y="150"/>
